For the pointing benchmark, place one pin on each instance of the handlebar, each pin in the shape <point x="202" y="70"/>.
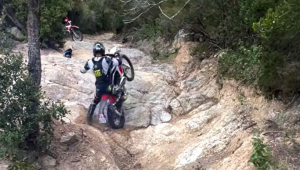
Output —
<point x="111" y="55"/>
<point x="115" y="56"/>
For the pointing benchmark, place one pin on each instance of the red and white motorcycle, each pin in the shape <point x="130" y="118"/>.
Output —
<point x="111" y="106"/>
<point x="73" y="30"/>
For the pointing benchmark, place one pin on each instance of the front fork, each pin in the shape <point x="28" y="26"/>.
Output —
<point x="70" y="31"/>
<point x="118" y="104"/>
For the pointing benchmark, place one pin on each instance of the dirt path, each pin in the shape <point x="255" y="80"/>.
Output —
<point x="175" y="117"/>
<point x="95" y="136"/>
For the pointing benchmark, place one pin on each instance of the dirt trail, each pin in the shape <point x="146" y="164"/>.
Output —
<point x="159" y="94"/>
<point x="177" y="116"/>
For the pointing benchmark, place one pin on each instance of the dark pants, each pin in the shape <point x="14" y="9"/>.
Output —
<point x="105" y="88"/>
<point x="100" y="90"/>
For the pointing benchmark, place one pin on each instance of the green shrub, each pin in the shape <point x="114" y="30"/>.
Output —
<point x="97" y="16"/>
<point x="252" y="11"/>
<point x="244" y="65"/>
<point x="149" y="31"/>
<point x="6" y="42"/>
<point x="21" y="110"/>
<point x="262" y="37"/>
<point x="253" y="65"/>
<point x="201" y="50"/>
<point x="21" y="165"/>
<point x="146" y="31"/>
<point x="19" y="7"/>
<point x="261" y="156"/>
<point x="279" y="28"/>
<point x="52" y="13"/>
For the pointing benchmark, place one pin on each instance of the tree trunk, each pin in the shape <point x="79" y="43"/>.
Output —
<point x="34" y="56"/>
<point x="1" y="7"/>
<point x="10" y="15"/>
<point x="34" y="63"/>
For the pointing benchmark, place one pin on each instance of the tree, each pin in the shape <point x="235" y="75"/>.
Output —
<point x="34" y="62"/>
<point x="17" y="120"/>
<point x="97" y="16"/>
<point x="138" y="8"/>
<point x="51" y="13"/>
<point x="34" y="56"/>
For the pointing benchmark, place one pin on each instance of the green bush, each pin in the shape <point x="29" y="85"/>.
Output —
<point x="253" y="65"/>
<point x="21" y="110"/>
<point x="52" y="13"/>
<point x="97" y="16"/>
<point x="268" y="31"/>
<point x="252" y="11"/>
<point x="224" y="22"/>
<point x="261" y="157"/>
<point x="279" y="28"/>
<point x="146" y="31"/>
<point x="21" y="165"/>
<point x="6" y="42"/>
<point x="244" y="65"/>
<point x="201" y="50"/>
<point x="19" y="7"/>
<point x="262" y="37"/>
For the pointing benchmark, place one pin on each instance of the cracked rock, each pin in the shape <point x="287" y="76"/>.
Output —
<point x="69" y="139"/>
<point x="48" y="162"/>
<point x="159" y="115"/>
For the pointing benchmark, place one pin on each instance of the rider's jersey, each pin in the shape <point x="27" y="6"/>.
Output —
<point x="102" y="68"/>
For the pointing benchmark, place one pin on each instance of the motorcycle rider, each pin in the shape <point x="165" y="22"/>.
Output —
<point x="103" y="66"/>
<point x="65" y="20"/>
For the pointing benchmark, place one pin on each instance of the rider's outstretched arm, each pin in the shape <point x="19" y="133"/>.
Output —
<point x="88" y="65"/>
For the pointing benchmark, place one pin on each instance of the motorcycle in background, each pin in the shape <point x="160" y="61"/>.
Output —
<point x="73" y="30"/>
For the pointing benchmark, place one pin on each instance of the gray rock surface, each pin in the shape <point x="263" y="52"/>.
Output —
<point x="48" y="162"/>
<point x="69" y="139"/>
<point x="17" y="33"/>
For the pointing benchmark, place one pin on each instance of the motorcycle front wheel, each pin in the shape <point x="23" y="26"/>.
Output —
<point x="115" y="121"/>
<point x="76" y="35"/>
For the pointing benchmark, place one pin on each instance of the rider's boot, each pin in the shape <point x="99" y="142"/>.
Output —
<point x="91" y="109"/>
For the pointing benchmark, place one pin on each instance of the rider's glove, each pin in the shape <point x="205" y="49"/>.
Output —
<point x="83" y="71"/>
<point x="118" y="57"/>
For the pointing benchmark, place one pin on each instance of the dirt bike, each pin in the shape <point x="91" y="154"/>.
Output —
<point x="110" y="107"/>
<point x="74" y="31"/>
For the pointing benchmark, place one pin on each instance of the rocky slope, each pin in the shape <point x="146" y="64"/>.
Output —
<point x="177" y="115"/>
